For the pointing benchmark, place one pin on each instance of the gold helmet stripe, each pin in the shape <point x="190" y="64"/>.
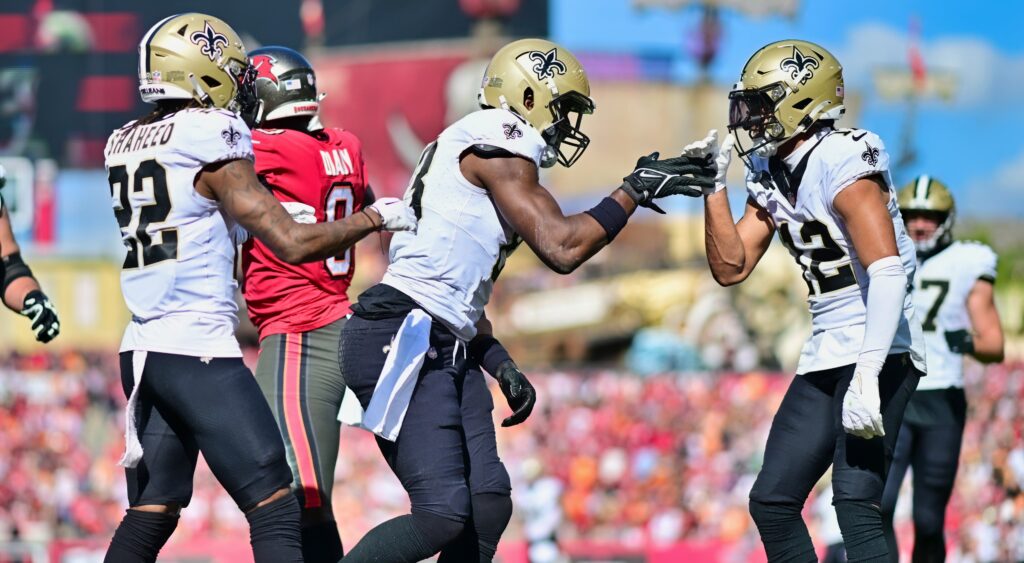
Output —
<point x="921" y="189"/>
<point x="144" y="45"/>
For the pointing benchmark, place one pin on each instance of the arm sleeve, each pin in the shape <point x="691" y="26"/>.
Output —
<point x="887" y="291"/>
<point x="859" y="154"/>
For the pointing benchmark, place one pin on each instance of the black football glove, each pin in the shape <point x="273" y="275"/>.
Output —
<point x="960" y="341"/>
<point x="40" y="311"/>
<point x="680" y="175"/>
<point x="520" y="395"/>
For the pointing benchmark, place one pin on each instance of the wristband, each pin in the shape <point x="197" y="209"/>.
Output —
<point x="14" y="268"/>
<point x="489" y="353"/>
<point x="610" y="215"/>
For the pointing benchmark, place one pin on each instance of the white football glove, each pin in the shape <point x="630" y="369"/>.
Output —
<point x="722" y="155"/>
<point x="862" y="407"/>
<point x="395" y="214"/>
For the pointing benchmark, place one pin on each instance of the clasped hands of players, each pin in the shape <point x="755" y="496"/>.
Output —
<point x="687" y="174"/>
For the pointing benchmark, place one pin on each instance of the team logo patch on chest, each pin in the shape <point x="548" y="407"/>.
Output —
<point x="547" y="64"/>
<point x="870" y="155"/>
<point x="210" y="42"/>
<point x="801" y="68"/>
<point x="512" y="131"/>
<point x="231" y="136"/>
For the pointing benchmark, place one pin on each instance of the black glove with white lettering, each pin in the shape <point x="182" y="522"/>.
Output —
<point x="520" y="395"/>
<point x="40" y="311"/>
<point x="680" y="175"/>
<point x="959" y="341"/>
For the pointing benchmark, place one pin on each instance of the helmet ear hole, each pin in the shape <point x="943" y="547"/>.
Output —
<point x="528" y="98"/>
<point x="802" y="103"/>
<point x="210" y="81"/>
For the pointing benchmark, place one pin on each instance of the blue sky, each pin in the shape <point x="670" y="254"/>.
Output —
<point x="974" y="142"/>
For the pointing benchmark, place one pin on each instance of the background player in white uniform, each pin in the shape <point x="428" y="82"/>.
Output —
<point x="953" y="294"/>
<point x="477" y="194"/>
<point x="828" y="194"/>
<point x="19" y="289"/>
<point x="182" y="183"/>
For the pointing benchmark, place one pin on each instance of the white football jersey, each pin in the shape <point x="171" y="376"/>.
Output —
<point x="940" y="295"/>
<point x="448" y="266"/>
<point x="815" y="234"/>
<point x="178" y="275"/>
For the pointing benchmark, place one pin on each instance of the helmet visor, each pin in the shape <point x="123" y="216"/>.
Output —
<point x="752" y="117"/>
<point x="245" y="102"/>
<point x="564" y="134"/>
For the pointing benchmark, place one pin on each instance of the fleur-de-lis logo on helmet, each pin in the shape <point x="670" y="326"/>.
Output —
<point x="800" y="67"/>
<point x="870" y="155"/>
<point x="210" y="42"/>
<point x="231" y="136"/>
<point x="547" y="64"/>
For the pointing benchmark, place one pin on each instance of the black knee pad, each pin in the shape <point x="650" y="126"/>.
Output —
<point x="435" y="531"/>
<point x="491" y="514"/>
<point x="861" y="524"/>
<point x="274" y="531"/>
<point x="765" y="513"/>
<point x="140" y="536"/>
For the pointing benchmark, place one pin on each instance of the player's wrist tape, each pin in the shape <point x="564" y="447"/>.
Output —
<point x="486" y="350"/>
<point x="14" y="267"/>
<point x="610" y="215"/>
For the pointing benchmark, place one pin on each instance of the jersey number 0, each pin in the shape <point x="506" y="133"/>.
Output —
<point x="338" y="206"/>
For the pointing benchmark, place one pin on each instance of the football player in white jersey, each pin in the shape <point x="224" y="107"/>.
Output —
<point x="953" y="293"/>
<point x="828" y="194"/>
<point x="412" y="352"/>
<point x="19" y="289"/>
<point x="184" y="193"/>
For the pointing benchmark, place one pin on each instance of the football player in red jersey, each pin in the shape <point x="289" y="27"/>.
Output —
<point x="299" y="309"/>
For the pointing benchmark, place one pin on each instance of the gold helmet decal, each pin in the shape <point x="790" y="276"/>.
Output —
<point x="927" y="196"/>
<point x="195" y="56"/>
<point x="544" y="84"/>
<point x="784" y="88"/>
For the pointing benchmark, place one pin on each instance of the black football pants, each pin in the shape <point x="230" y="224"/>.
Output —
<point x="187" y="405"/>
<point x="446" y="455"/>
<point x="806" y="437"/>
<point x="929" y="442"/>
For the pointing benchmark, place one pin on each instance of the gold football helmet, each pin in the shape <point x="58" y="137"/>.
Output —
<point x="544" y="84"/>
<point x="784" y="88"/>
<point x="195" y="56"/>
<point x="927" y="196"/>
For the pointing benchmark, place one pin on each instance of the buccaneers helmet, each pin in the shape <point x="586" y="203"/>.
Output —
<point x="285" y="85"/>
<point x="544" y="84"/>
<point x="927" y="196"/>
<point x="195" y="57"/>
<point x="784" y="88"/>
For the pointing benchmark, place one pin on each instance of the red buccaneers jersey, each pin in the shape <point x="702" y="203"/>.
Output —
<point x="324" y="171"/>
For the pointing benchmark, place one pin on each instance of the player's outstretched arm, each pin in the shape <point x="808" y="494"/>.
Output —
<point x="561" y="242"/>
<point x="733" y="249"/>
<point x="564" y="242"/>
<point x="234" y="183"/>
<point x="17" y="288"/>
<point x="987" y="339"/>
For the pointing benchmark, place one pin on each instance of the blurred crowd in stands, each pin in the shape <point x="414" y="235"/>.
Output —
<point x="605" y="456"/>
